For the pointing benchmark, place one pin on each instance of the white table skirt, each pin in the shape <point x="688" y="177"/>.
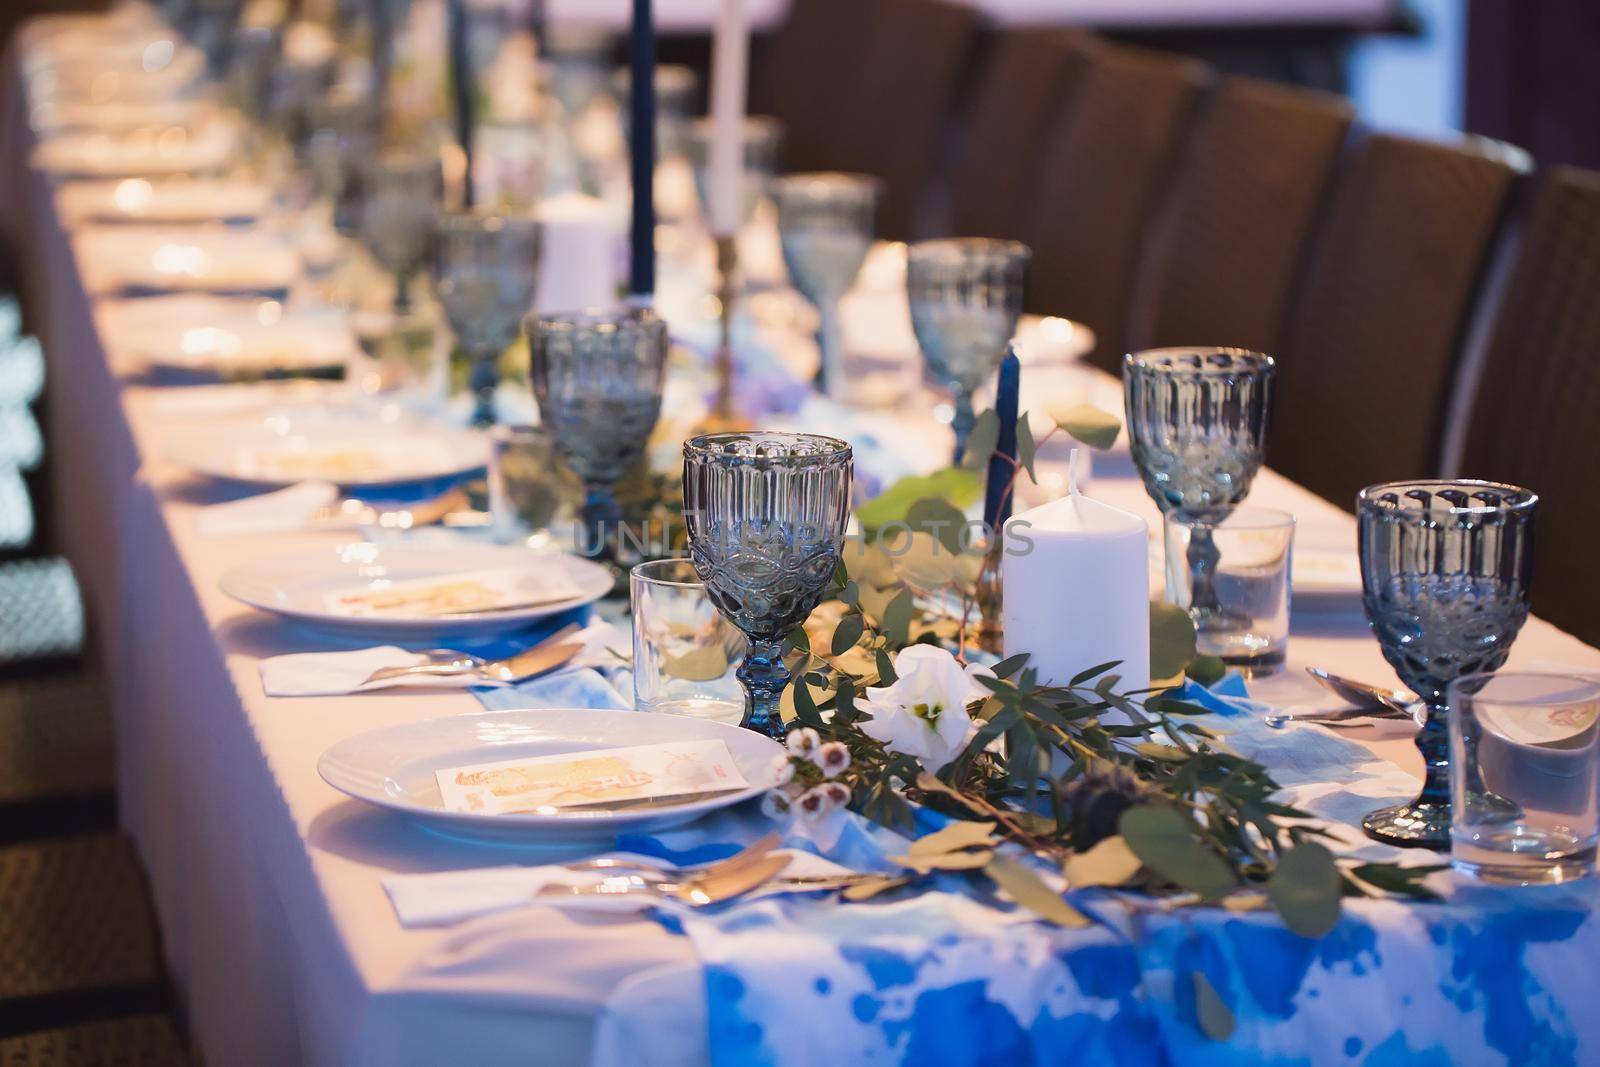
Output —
<point x="276" y="928"/>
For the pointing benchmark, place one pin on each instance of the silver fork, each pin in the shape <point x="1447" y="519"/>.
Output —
<point x="547" y="655"/>
<point x="744" y="857"/>
<point x="696" y="892"/>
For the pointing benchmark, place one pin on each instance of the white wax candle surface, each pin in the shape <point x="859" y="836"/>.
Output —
<point x="730" y="55"/>
<point x="1076" y="585"/>
<point x="578" y="267"/>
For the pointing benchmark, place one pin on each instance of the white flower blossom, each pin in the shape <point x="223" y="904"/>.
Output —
<point x="782" y="770"/>
<point x="924" y="713"/>
<point x="838" y="792"/>
<point x="832" y="758"/>
<point x="817" y="803"/>
<point x="803" y="742"/>
<point x="774" y="805"/>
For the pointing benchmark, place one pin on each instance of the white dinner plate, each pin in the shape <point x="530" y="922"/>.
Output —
<point x="288" y="447"/>
<point x="144" y="151"/>
<point x="194" y="259"/>
<point x="172" y="200"/>
<point x="298" y="586"/>
<point x="227" y="336"/>
<point x="394" y="768"/>
<point x="121" y="114"/>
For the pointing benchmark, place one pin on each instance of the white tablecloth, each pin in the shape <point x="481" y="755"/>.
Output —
<point x="267" y="881"/>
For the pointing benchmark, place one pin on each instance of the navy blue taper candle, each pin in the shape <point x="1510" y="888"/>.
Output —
<point x="462" y="85"/>
<point x="642" y="148"/>
<point x="997" y="501"/>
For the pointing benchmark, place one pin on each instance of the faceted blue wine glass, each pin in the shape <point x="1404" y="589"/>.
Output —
<point x="966" y="296"/>
<point x="1445" y="567"/>
<point x="1197" y="426"/>
<point x="598" y="377"/>
<point x="766" y="515"/>
<point x="485" y="270"/>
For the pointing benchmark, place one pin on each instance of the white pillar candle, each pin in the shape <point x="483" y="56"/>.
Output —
<point x="580" y="256"/>
<point x="730" y="57"/>
<point x="1076" y="587"/>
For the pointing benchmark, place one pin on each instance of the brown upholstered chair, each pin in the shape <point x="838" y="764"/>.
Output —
<point x="1250" y="181"/>
<point x="1533" y="415"/>
<point x="1366" y="364"/>
<point x="1102" y="175"/>
<point x="1026" y="82"/>
<point x="868" y="87"/>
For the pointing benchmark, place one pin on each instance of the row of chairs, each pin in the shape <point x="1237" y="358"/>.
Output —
<point x="81" y="977"/>
<point x="1168" y="206"/>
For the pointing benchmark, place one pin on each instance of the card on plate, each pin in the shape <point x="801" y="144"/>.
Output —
<point x="453" y="594"/>
<point x="546" y="784"/>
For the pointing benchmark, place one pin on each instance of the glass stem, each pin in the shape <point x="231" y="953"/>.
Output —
<point x="601" y="515"/>
<point x="763" y="676"/>
<point x="485" y="376"/>
<point x="402" y="295"/>
<point x="830" y="371"/>
<point x="1203" y="559"/>
<point x="962" y="423"/>
<point x="1434" y="743"/>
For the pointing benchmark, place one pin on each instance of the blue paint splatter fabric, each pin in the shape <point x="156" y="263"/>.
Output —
<point x="951" y="977"/>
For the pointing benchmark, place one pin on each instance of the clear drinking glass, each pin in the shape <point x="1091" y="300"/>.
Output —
<point x="598" y="377"/>
<point x="965" y="295"/>
<point x="825" y="226"/>
<point x="1251" y="582"/>
<point x="486" y="267"/>
<point x="762" y="135"/>
<point x="1445" y="567"/>
<point x="1197" y="423"/>
<point x="766" y="516"/>
<point x="684" y="651"/>
<point x="399" y="202"/>
<point x="403" y="360"/>
<point x="532" y="492"/>
<point x="1526" y="792"/>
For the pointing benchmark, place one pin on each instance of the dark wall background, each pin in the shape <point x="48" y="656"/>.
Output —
<point x="1533" y="76"/>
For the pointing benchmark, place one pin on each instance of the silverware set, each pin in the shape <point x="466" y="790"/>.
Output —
<point x="1369" y="702"/>
<point x="546" y="656"/>
<point x="754" y="868"/>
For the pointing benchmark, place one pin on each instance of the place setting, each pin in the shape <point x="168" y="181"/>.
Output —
<point x="690" y="589"/>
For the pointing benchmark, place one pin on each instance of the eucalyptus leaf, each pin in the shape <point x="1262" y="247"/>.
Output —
<point x="1089" y="424"/>
<point x="923" y="563"/>
<point x="866" y="562"/>
<point x="869" y="889"/>
<point x="1164" y="840"/>
<point x="701" y="665"/>
<point x="968" y="860"/>
<point x="1109" y="862"/>
<point x="1031" y="892"/>
<point x="982" y="441"/>
<point x="956" y="835"/>
<point x="1172" y="640"/>
<point x="1206" y="670"/>
<point x="847" y="633"/>
<point x="940" y="518"/>
<point x="960" y="487"/>
<point x="1305" y="888"/>
<point x="1025" y="445"/>
<point x="897" y="618"/>
<point x="1216" y="1020"/>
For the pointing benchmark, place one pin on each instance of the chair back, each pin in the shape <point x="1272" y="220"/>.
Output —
<point x="1103" y="172"/>
<point x="1533" y="415"/>
<point x="1250" y="181"/>
<point x="1366" y="363"/>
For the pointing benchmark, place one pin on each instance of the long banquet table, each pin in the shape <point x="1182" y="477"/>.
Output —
<point x="267" y="881"/>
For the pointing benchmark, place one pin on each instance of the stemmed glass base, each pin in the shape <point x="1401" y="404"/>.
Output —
<point x="485" y="377"/>
<point x="1425" y="822"/>
<point x="763" y="676"/>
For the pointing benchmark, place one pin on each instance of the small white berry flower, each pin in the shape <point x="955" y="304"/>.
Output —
<point x="774" y="805"/>
<point x="837" y="792"/>
<point x="832" y="758"/>
<point x="782" y="770"/>
<point x="803" y="742"/>
<point x="815" y="803"/>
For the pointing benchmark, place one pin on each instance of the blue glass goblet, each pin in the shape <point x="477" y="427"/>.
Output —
<point x="598" y="377"/>
<point x="766" y="516"/>
<point x="1445" y="567"/>
<point x="485" y="270"/>
<point x="1197" y="424"/>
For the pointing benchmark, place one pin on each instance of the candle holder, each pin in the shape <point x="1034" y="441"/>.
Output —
<point x="721" y="418"/>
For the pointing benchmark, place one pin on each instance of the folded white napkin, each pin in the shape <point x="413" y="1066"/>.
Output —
<point x="323" y="674"/>
<point x="449" y="897"/>
<point x="275" y="512"/>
